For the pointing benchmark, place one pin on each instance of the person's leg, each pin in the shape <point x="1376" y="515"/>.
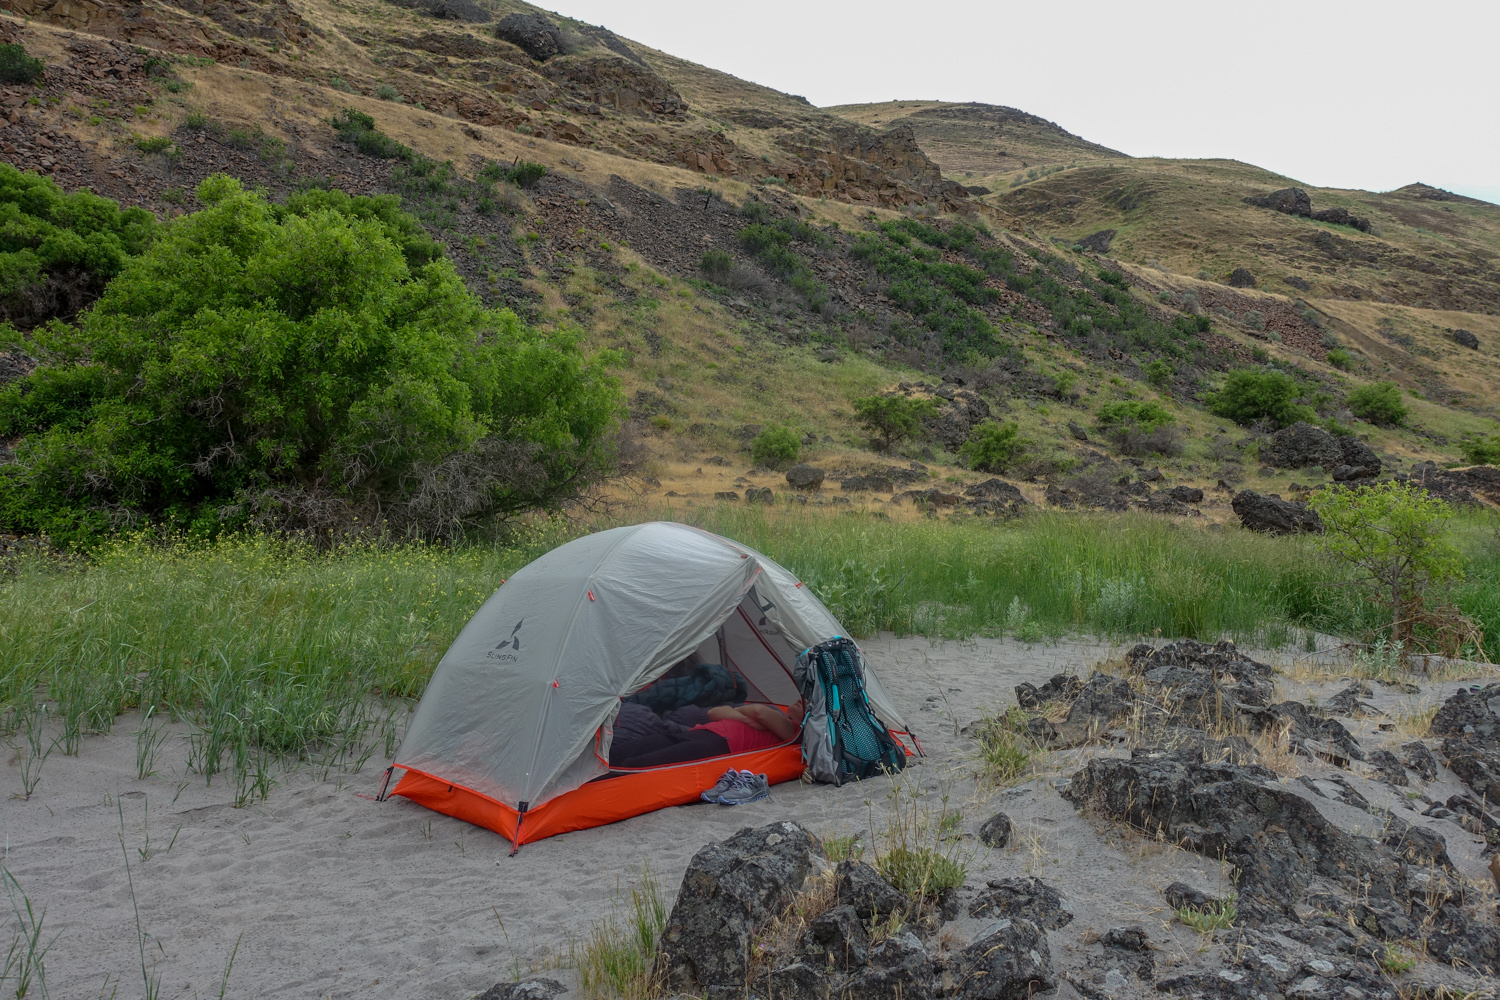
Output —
<point x="698" y="744"/>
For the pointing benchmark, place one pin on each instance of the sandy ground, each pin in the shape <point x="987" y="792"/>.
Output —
<point x="327" y="893"/>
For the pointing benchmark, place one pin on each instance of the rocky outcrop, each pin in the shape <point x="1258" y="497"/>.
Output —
<point x="1295" y="201"/>
<point x="1463" y="338"/>
<point x="1275" y="516"/>
<point x="1241" y="277"/>
<point x="1095" y="242"/>
<point x="1301" y="446"/>
<point x="1010" y="962"/>
<point x="1469" y="723"/>
<point x="730" y="892"/>
<point x="1457" y="486"/>
<point x="1027" y="898"/>
<point x="532" y="34"/>
<point x="804" y="478"/>
<point x="616" y="83"/>
<point x="1360" y="460"/>
<point x="466" y="11"/>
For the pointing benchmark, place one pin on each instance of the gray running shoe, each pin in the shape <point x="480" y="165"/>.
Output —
<point x="751" y="788"/>
<point x="728" y="780"/>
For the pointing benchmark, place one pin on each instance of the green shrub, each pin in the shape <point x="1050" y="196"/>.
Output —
<point x="1481" y="450"/>
<point x="1340" y="358"/>
<point x="18" y="67"/>
<point x="776" y="446"/>
<point x="716" y="264"/>
<point x="293" y="371"/>
<point x="893" y="418"/>
<point x="59" y="250"/>
<point x="1378" y="402"/>
<point x="1250" y="395"/>
<point x="992" y="447"/>
<point x="154" y="144"/>
<point x="359" y="129"/>
<point x="1160" y="373"/>
<point x="386" y="92"/>
<point x="526" y="174"/>
<point x="1144" y="415"/>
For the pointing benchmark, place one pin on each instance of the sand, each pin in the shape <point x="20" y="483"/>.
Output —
<point x="321" y="891"/>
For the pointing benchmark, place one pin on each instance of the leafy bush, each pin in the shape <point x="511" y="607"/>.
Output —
<point x="1250" y="395"/>
<point x="1160" y="373"/>
<point x="1378" y="402"/>
<point x="18" y="67"/>
<point x="1140" y="427"/>
<point x="1145" y="415"/>
<point x="992" y="447"/>
<point x="716" y="265"/>
<point x="893" y="418"/>
<point x="776" y="446"/>
<point x="1481" y="451"/>
<point x="1340" y="358"/>
<point x="59" y="250"/>
<point x="359" y="128"/>
<point x="154" y="144"/>
<point x="386" y="92"/>
<point x="1254" y="319"/>
<point x="293" y="371"/>
<point x="526" y="174"/>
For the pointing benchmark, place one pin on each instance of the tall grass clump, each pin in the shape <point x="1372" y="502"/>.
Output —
<point x="615" y="958"/>
<point x="918" y="852"/>
<point x="272" y="648"/>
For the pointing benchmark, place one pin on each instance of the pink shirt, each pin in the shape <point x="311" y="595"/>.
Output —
<point x="741" y="736"/>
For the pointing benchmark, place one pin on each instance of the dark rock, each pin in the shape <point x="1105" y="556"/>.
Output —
<point x="1308" y="733"/>
<point x="1186" y="494"/>
<point x="1196" y="681"/>
<point x="1463" y="338"/>
<point x="759" y="494"/>
<point x="840" y="937"/>
<point x="872" y="484"/>
<point x="1151" y="475"/>
<point x="449" y="10"/>
<point x="1348" y="701"/>
<point x="532" y="33"/>
<point x="1079" y="434"/>
<point x="1335" y="787"/>
<point x="525" y="989"/>
<point x="1469" y="721"/>
<point x="1421" y="760"/>
<point x="1098" y="242"/>
<point x="1011" y="961"/>
<point x="977" y="190"/>
<point x="1164" y="503"/>
<point x="959" y="411"/>
<point x="1241" y="277"/>
<point x="806" y="478"/>
<point x="1126" y="939"/>
<point x="1477" y="765"/>
<point x="1301" y="284"/>
<point x="1059" y="687"/>
<point x="873" y="898"/>
<point x="1301" y="446"/>
<point x="1100" y="703"/>
<point x="1273" y="516"/>
<point x="996" y="831"/>
<point x="797" y="981"/>
<point x="1280" y="844"/>
<point x="899" y="969"/>
<point x="1181" y="896"/>
<point x="1417" y="844"/>
<point x="730" y="893"/>
<point x="1292" y="201"/>
<point x="1458" y="939"/>
<point x="726" y="495"/>
<point x="1389" y="766"/>
<point x="1341" y="217"/>
<point x="718" y="460"/>
<point x="1027" y="897"/>
<point x="1360" y="456"/>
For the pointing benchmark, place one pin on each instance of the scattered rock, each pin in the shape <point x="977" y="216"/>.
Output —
<point x="1348" y="701"/>
<point x="996" y="831"/>
<point x="805" y="478"/>
<point x="1186" y="494"/>
<point x="1341" y="217"/>
<point x="1181" y="896"/>
<point x="726" y="495"/>
<point x="860" y="484"/>
<point x="731" y="891"/>
<point x="996" y="496"/>
<point x="1059" y="687"/>
<point x="860" y="886"/>
<point x="1302" y="445"/>
<point x="526" y="989"/>
<point x="1292" y="201"/>
<point x="532" y="33"/>
<point x="1463" y="338"/>
<point x="1420" y="760"/>
<point x="1469" y="723"/>
<point x="1301" y="284"/>
<point x="1241" y="277"/>
<point x="1275" y="516"/>
<point x="1027" y="897"/>
<point x="1011" y="961"/>
<point x="759" y="494"/>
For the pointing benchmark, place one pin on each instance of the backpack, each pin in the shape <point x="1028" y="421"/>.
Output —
<point x="841" y="738"/>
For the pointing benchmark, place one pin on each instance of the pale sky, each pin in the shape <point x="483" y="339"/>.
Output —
<point x="1334" y="93"/>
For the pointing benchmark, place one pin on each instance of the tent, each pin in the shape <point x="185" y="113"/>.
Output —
<point x="513" y="731"/>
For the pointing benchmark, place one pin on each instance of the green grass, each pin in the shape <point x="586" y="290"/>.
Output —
<point x="615" y="958"/>
<point x="1218" y="916"/>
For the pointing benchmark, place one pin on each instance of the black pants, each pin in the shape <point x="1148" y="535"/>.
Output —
<point x="655" y="751"/>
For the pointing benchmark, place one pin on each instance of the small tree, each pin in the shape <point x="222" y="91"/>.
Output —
<point x="893" y="418"/>
<point x="993" y="447"/>
<point x="1379" y="403"/>
<point x="1395" y="535"/>
<point x="1249" y="395"/>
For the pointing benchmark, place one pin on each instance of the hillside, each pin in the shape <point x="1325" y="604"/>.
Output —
<point x="879" y="261"/>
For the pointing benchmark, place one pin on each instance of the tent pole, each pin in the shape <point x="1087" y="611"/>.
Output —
<point x="381" y="796"/>
<point x="515" y="844"/>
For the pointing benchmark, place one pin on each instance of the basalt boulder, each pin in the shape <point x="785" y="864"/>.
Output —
<point x="532" y="33"/>
<point x="1027" y="897"/>
<point x="1010" y="961"/>
<point x="1302" y="446"/>
<point x="804" y="478"/>
<point x="1274" y="516"/>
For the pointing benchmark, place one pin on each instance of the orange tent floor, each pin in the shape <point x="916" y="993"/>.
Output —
<point x="620" y="795"/>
